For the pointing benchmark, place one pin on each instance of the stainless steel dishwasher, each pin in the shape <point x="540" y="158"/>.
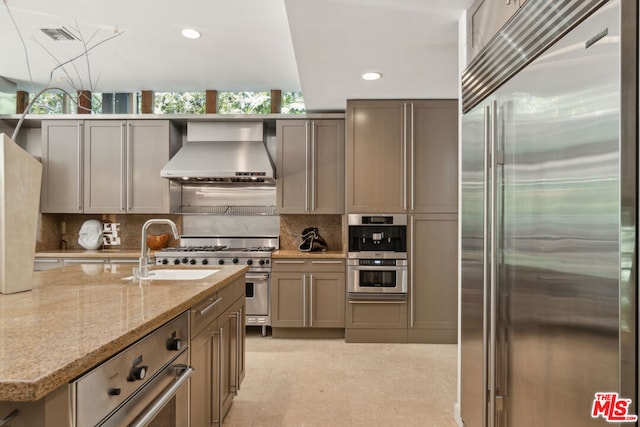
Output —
<point x="143" y="385"/>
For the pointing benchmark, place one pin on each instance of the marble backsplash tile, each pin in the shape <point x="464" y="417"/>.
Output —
<point x="50" y="233"/>
<point x="291" y="226"/>
<point x="329" y="227"/>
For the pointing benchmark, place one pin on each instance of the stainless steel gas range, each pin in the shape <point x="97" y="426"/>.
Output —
<point x="254" y="252"/>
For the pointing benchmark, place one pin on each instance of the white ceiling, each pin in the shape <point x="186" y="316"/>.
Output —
<point x="320" y="47"/>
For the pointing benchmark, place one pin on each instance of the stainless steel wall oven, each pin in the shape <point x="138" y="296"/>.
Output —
<point x="377" y="257"/>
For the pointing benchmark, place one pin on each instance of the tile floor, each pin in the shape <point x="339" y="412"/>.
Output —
<point x="329" y="383"/>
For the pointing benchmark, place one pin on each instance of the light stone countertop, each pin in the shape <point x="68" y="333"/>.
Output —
<point x="78" y="316"/>
<point x="294" y="253"/>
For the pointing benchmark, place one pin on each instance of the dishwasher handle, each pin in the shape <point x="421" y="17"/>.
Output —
<point x="165" y="397"/>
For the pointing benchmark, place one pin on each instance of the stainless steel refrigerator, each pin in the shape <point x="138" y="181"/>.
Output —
<point x="549" y="217"/>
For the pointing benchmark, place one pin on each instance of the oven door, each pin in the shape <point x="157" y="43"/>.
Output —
<point x="257" y="294"/>
<point x="164" y="401"/>
<point x="372" y="279"/>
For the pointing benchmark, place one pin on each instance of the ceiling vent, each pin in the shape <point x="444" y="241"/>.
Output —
<point x="59" y="34"/>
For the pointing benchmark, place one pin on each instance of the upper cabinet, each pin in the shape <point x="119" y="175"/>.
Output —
<point x="310" y="166"/>
<point x="402" y="156"/>
<point x="62" y="166"/>
<point x="484" y="19"/>
<point x="106" y="166"/>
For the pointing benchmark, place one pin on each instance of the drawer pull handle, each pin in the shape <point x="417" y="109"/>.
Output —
<point x="209" y="307"/>
<point x="8" y="418"/>
<point x="327" y="262"/>
<point x="289" y="262"/>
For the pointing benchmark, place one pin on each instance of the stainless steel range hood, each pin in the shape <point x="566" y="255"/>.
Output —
<point x="222" y="152"/>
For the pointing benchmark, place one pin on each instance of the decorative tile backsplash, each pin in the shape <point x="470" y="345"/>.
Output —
<point x="329" y="227"/>
<point x="50" y="234"/>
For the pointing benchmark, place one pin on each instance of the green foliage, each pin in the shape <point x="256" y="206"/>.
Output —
<point x="180" y="103"/>
<point x="185" y="103"/>
<point x="244" y="103"/>
<point x="48" y="103"/>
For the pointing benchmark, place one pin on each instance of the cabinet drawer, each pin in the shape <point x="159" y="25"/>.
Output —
<point x="377" y="314"/>
<point x="41" y="264"/>
<point x="295" y="265"/>
<point x="205" y="313"/>
<point x="320" y="265"/>
<point x="230" y="294"/>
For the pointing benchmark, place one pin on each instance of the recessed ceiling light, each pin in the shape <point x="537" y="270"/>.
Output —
<point x="190" y="33"/>
<point x="372" y="76"/>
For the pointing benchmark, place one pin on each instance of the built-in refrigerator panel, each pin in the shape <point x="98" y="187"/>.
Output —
<point x="548" y="235"/>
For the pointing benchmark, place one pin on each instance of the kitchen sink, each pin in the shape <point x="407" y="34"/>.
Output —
<point x="178" y="274"/>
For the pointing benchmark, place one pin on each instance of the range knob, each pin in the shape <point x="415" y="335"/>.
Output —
<point x="220" y="261"/>
<point x="137" y="373"/>
<point x="192" y="261"/>
<point x="205" y="261"/>
<point x="235" y="260"/>
<point x="176" y="261"/>
<point x="114" y="391"/>
<point x="174" y="344"/>
<point x="165" y="261"/>
<point x="261" y="262"/>
<point x="249" y="262"/>
<point x="185" y="260"/>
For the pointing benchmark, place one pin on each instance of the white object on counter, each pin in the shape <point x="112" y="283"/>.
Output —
<point x="90" y="234"/>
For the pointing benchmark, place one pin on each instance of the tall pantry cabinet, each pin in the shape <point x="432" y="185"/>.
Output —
<point x="402" y="157"/>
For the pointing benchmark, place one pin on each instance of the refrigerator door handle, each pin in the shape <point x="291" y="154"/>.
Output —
<point x="493" y="255"/>
<point x="487" y="256"/>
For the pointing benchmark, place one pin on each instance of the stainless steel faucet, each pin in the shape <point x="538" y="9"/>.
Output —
<point x="143" y="266"/>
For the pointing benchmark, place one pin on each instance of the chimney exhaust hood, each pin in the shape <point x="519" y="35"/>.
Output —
<point x="218" y="152"/>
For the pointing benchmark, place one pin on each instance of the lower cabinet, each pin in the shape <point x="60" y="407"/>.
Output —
<point x="433" y="278"/>
<point x="217" y="354"/>
<point x="376" y="321"/>
<point x="308" y="293"/>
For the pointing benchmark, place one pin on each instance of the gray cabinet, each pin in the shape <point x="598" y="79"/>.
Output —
<point x="310" y="166"/>
<point x="484" y="19"/>
<point x="62" y="162"/>
<point x="433" y="156"/>
<point x="308" y="293"/>
<point x="376" y="156"/>
<point x="433" y="278"/>
<point x="217" y="354"/>
<point x="106" y="166"/>
<point x="402" y="156"/>
<point x="122" y="162"/>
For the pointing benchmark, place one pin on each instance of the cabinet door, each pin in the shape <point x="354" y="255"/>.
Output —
<point x="326" y="300"/>
<point x="238" y="337"/>
<point x="147" y="153"/>
<point x="226" y="392"/>
<point x="433" y="278"/>
<point x="434" y="156"/>
<point x="104" y="166"/>
<point x="292" y="166"/>
<point x="203" y="348"/>
<point x="288" y="300"/>
<point x="376" y="156"/>
<point x="62" y="166"/>
<point x="327" y="173"/>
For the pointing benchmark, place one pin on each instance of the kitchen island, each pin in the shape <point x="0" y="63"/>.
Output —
<point x="76" y="317"/>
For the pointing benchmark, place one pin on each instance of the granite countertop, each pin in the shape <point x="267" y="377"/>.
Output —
<point x="76" y="317"/>
<point x="294" y="253"/>
<point x="86" y="253"/>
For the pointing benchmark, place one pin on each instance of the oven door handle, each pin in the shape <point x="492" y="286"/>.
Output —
<point x="147" y="416"/>
<point x="377" y="268"/>
<point x="257" y="276"/>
